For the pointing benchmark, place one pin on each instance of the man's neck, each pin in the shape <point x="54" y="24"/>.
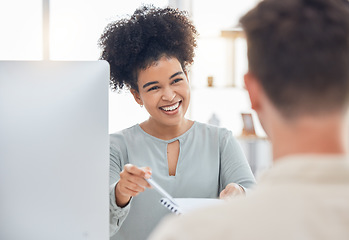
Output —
<point x="311" y="135"/>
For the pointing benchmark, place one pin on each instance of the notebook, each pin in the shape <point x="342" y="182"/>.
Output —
<point x="54" y="150"/>
<point x="184" y="205"/>
<point x="181" y="205"/>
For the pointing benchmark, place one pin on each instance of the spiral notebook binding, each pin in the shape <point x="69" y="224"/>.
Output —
<point x="170" y="206"/>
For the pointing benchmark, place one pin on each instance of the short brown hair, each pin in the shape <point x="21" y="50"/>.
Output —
<point x="299" y="51"/>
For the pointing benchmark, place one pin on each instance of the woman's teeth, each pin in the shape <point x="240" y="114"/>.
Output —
<point x="171" y="108"/>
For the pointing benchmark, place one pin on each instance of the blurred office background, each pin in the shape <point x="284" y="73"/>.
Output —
<point x="69" y="30"/>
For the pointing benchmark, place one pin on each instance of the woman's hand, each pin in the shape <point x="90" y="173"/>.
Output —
<point x="231" y="190"/>
<point x="132" y="182"/>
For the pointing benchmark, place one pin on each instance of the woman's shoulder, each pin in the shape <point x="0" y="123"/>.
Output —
<point x="208" y="132"/>
<point x="124" y="134"/>
<point x="205" y="127"/>
<point x="126" y="131"/>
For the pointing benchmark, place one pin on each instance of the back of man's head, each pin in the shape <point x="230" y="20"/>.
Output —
<point x="299" y="51"/>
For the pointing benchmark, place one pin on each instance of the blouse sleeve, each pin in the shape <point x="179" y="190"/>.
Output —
<point x="117" y="214"/>
<point x="234" y="167"/>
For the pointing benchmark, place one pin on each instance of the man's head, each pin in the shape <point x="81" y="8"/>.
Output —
<point x="298" y="50"/>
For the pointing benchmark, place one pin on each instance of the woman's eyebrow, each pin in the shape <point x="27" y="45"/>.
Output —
<point x="177" y="73"/>
<point x="155" y="82"/>
<point x="149" y="83"/>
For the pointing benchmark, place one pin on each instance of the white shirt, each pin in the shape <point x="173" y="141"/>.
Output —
<point x="301" y="197"/>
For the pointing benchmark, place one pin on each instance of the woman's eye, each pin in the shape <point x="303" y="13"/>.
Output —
<point x="177" y="80"/>
<point x="153" y="88"/>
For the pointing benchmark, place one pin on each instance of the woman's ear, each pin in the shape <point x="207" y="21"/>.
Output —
<point x="186" y="74"/>
<point x="136" y="96"/>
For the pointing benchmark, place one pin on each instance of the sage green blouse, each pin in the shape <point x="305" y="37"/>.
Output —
<point x="209" y="159"/>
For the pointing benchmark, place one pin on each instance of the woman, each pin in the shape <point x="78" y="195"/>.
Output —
<point x="149" y="53"/>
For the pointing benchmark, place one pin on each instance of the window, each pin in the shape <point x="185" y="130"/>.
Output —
<point x="21" y="30"/>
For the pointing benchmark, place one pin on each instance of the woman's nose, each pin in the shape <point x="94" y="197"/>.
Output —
<point x="168" y="94"/>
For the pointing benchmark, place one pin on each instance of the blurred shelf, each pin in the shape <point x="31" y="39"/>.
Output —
<point x="233" y="33"/>
<point x="194" y="88"/>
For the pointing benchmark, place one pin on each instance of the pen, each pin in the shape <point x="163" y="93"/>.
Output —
<point x="160" y="190"/>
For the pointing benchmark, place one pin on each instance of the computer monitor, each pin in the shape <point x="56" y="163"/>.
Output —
<point x="54" y="150"/>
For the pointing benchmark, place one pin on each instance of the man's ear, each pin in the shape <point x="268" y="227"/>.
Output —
<point x="136" y="96"/>
<point x="254" y="90"/>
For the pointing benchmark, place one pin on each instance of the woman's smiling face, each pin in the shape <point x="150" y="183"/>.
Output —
<point x="164" y="91"/>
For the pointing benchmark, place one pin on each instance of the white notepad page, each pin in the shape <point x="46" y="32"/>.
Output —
<point x="189" y="204"/>
<point x="181" y="205"/>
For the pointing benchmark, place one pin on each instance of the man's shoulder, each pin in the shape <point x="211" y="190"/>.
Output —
<point x="215" y="222"/>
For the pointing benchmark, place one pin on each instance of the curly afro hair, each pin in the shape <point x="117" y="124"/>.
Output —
<point x="130" y="45"/>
